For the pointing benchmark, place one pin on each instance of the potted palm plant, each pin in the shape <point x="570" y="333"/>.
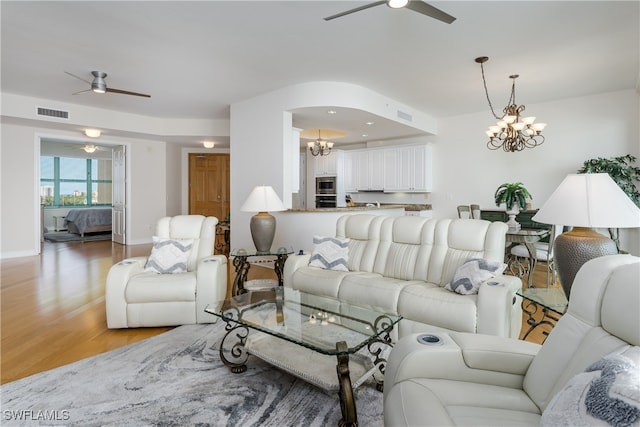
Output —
<point x="514" y="196"/>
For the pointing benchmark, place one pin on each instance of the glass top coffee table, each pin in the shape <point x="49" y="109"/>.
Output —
<point x="299" y="332"/>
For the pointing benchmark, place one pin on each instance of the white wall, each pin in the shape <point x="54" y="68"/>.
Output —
<point x="465" y="171"/>
<point x="19" y="175"/>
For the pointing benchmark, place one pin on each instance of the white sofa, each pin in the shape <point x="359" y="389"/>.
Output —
<point x="136" y="298"/>
<point x="480" y="380"/>
<point x="401" y="264"/>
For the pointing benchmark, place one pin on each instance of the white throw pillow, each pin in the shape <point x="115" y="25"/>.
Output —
<point x="470" y="275"/>
<point x="330" y="253"/>
<point x="169" y="255"/>
<point x="607" y="393"/>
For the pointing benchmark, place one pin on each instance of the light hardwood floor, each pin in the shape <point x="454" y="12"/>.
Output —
<point x="53" y="309"/>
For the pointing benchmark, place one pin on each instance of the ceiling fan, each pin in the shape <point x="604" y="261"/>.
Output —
<point x="98" y="85"/>
<point x="415" y="5"/>
<point x="90" y="148"/>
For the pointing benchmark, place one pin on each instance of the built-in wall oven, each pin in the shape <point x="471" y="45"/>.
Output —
<point x="326" y="185"/>
<point x="326" y="201"/>
<point x="326" y="192"/>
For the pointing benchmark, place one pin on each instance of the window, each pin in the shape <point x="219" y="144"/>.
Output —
<point x="69" y="181"/>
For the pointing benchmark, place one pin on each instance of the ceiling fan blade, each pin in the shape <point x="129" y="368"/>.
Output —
<point x="426" y="9"/>
<point x="82" y="91"/>
<point x="126" y="92"/>
<point x="357" y="9"/>
<point x="79" y="78"/>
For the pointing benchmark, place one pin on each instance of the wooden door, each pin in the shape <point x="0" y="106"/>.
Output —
<point x="209" y="185"/>
<point x="209" y="192"/>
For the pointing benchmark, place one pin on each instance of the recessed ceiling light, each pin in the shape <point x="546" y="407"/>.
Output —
<point x="208" y="144"/>
<point x="364" y="135"/>
<point x="332" y="112"/>
<point x="369" y="123"/>
<point x="93" y="133"/>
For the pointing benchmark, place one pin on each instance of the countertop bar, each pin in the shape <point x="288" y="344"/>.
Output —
<point x="361" y="207"/>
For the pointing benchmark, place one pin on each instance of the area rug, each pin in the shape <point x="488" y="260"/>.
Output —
<point x="175" y="379"/>
<point x="71" y="237"/>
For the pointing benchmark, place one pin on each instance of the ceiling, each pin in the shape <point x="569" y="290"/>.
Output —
<point x="197" y="58"/>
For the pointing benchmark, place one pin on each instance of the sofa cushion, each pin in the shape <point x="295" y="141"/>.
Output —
<point x="372" y="289"/>
<point x="169" y="255"/>
<point x="470" y="275"/>
<point x="607" y="393"/>
<point x="318" y="281"/>
<point x="429" y="303"/>
<point x="330" y="253"/>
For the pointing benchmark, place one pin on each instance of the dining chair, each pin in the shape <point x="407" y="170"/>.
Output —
<point x="544" y="252"/>
<point x="464" y="212"/>
<point x="475" y="211"/>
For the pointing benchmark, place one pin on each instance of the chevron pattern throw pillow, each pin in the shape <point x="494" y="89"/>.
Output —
<point x="470" y="275"/>
<point x="330" y="253"/>
<point x="169" y="256"/>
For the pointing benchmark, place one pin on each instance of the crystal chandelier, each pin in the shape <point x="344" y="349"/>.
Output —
<point x="320" y="147"/>
<point x="511" y="133"/>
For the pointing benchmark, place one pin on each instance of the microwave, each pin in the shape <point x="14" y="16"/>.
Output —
<point x="326" y="185"/>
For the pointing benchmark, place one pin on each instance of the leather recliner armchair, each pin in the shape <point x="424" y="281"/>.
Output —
<point x="473" y="379"/>
<point x="138" y="298"/>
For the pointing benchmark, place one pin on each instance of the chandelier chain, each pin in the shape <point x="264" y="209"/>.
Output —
<point x="486" y="91"/>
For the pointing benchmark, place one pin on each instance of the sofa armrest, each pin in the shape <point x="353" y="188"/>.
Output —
<point x="115" y="287"/>
<point x="499" y="308"/>
<point x="460" y="356"/>
<point x="211" y="286"/>
<point x="293" y="263"/>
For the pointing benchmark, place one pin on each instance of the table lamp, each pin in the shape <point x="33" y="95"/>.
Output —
<point x="263" y="224"/>
<point x="586" y="201"/>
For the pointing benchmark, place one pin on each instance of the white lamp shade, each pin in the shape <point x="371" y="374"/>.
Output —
<point x="263" y="199"/>
<point x="589" y="200"/>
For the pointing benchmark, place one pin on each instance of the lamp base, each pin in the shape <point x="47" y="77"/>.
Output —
<point x="263" y="229"/>
<point x="573" y="248"/>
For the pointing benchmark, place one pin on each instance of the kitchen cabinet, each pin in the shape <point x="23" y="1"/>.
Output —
<point x="326" y="165"/>
<point x="370" y="170"/>
<point x="408" y="169"/>
<point x="349" y="172"/>
<point x="295" y="160"/>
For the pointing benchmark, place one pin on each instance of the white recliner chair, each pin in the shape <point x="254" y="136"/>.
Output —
<point x="482" y="380"/>
<point x="139" y="298"/>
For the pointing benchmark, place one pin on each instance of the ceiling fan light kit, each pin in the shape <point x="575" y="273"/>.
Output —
<point x="415" y="5"/>
<point x="510" y="132"/>
<point x="397" y="4"/>
<point x="98" y="85"/>
<point x="90" y="148"/>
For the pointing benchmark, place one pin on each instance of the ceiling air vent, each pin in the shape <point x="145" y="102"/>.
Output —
<point x="58" y="114"/>
<point x="405" y="116"/>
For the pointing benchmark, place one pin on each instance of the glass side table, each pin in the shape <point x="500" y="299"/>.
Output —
<point x="242" y="265"/>
<point x="528" y="237"/>
<point x="549" y="304"/>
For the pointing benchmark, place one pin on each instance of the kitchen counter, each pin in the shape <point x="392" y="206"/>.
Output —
<point x="362" y="207"/>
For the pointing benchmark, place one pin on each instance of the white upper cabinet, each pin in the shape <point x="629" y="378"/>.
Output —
<point x="392" y="169"/>
<point x="326" y="165"/>
<point x="408" y="169"/>
<point x="295" y="160"/>
<point x="350" y="172"/>
<point x="370" y="170"/>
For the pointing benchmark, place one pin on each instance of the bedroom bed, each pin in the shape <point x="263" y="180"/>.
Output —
<point x="89" y="220"/>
